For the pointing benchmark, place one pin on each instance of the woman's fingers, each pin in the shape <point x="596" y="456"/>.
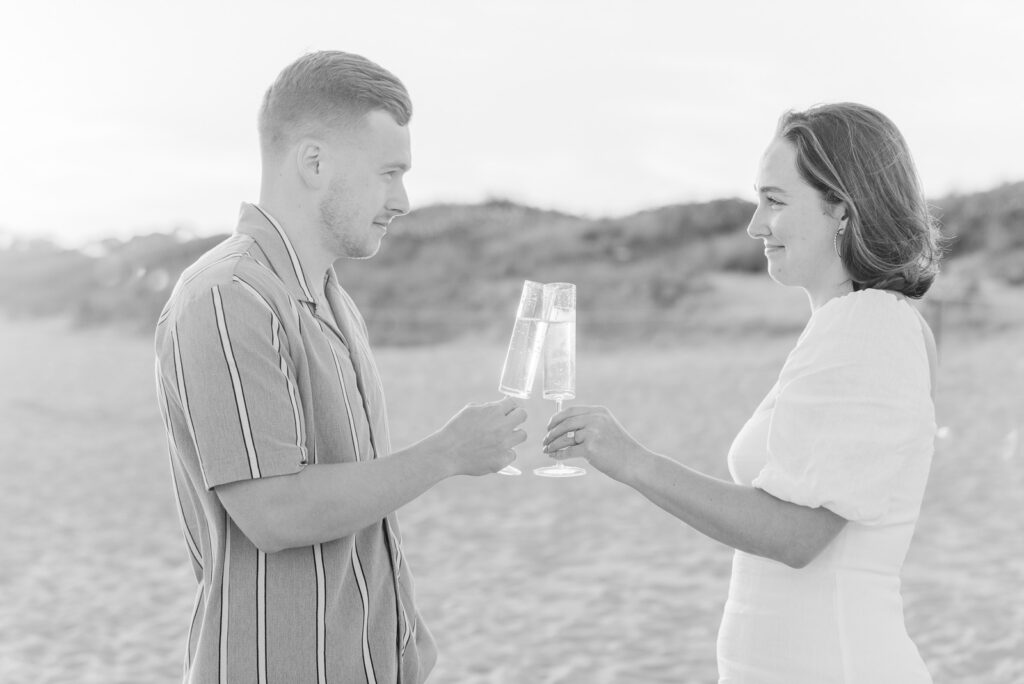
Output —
<point x="570" y="424"/>
<point x="572" y="412"/>
<point x="571" y="451"/>
<point x="567" y="441"/>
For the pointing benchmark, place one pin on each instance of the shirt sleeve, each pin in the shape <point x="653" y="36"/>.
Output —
<point x="853" y="406"/>
<point x="236" y="385"/>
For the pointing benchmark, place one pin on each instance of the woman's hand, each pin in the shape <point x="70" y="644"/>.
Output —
<point x="593" y="433"/>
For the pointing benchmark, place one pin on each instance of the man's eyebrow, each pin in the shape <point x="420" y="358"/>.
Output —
<point x="401" y="166"/>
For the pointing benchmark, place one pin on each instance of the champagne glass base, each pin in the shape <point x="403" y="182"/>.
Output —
<point x="510" y="470"/>
<point x="560" y="470"/>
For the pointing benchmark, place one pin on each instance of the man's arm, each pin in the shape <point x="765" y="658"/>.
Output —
<point x="235" y="388"/>
<point x="329" y="501"/>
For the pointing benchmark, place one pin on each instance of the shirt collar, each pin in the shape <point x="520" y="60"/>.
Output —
<point x="271" y="238"/>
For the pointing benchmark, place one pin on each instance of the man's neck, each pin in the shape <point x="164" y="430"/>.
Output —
<point x="301" y="231"/>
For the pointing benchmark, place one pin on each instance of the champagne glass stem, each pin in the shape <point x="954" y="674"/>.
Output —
<point x="558" y="409"/>
<point x="559" y="469"/>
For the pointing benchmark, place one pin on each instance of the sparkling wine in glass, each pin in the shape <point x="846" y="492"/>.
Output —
<point x="524" y="349"/>
<point x="560" y="359"/>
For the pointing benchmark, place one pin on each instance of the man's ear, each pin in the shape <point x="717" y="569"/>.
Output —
<point x="309" y="159"/>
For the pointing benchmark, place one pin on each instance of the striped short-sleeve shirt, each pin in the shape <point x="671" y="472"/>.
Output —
<point x="258" y="377"/>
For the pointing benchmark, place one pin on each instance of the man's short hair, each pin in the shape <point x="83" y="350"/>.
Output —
<point x="326" y="90"/>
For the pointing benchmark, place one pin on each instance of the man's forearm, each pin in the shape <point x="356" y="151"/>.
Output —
<point x="328" y="501"/>
<point x="337" y="499"/>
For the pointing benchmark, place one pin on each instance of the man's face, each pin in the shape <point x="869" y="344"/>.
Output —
<point x="366" y="189"/>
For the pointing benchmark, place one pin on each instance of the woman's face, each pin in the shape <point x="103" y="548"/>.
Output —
<point x="798" y="228"/>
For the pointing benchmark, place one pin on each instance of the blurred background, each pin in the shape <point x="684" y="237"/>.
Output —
<point x="609" y="144"/>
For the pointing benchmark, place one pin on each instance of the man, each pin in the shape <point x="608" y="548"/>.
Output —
<point x="275" y="414"/>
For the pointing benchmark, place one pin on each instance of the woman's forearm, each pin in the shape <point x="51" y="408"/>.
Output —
<point x="742" y="517"/>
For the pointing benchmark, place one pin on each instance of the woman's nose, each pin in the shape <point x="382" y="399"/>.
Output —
<point x="758" y="228"/>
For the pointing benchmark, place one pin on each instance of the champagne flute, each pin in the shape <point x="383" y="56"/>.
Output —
<point x="524" y="349"/>
<point x="560" y="359"/>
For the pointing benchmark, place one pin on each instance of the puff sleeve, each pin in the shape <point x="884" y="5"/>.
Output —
<point x="854" y="405"/>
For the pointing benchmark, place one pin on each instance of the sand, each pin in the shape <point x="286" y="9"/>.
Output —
<point x="522" y="580"/>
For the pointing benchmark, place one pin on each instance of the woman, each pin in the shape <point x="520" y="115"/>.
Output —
<point x="829" y="472"/>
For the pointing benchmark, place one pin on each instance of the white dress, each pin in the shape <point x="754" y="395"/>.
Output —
<point x="850" y="426"/>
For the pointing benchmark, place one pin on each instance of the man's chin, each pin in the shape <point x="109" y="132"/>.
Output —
<point x="364" y="252"/>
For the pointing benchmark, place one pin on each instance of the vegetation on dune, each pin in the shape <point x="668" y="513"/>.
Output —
<point x="446" y="269"/>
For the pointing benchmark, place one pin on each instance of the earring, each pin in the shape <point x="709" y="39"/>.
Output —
<point x="835" y="242"/>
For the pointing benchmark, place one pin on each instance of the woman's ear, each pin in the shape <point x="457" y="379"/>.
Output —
<point x="841" y="213"/>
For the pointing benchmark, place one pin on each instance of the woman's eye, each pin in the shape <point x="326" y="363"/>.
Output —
<point x="772" y="201"/>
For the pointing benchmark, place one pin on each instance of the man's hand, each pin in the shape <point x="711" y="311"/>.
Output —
<point x="480" y="438"/>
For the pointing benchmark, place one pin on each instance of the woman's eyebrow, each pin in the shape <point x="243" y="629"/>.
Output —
<point x="769" y="188"/>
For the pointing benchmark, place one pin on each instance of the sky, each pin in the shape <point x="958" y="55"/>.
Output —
<point x="121" y="118"/>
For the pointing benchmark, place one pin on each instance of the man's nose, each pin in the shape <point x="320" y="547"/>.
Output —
<point x="399" y="201"/>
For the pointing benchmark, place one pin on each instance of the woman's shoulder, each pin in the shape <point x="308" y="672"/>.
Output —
<point x="869" y="327"/>
<point x="867" y="313"/>
<point x="868" y="342"/>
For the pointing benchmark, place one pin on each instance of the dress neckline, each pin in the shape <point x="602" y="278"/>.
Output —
<point x="871" y="292"/>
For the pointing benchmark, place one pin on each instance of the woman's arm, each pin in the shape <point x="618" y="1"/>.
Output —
<point x="742" y="517"/>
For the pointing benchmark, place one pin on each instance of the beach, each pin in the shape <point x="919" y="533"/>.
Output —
<point x="522" y="580"/>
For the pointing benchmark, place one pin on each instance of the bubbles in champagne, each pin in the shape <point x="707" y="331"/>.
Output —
<point x="523" y="356"/>
<point x="560" y="355"/>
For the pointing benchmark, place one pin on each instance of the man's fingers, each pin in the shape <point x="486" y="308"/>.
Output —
<point x="516" y="438"/>
<point x="515" y="416"/>
<point x="507" y="405"/>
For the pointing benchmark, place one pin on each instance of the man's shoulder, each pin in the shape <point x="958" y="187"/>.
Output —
<point x="217" y="267"/>
<point x="237" y="261"/>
